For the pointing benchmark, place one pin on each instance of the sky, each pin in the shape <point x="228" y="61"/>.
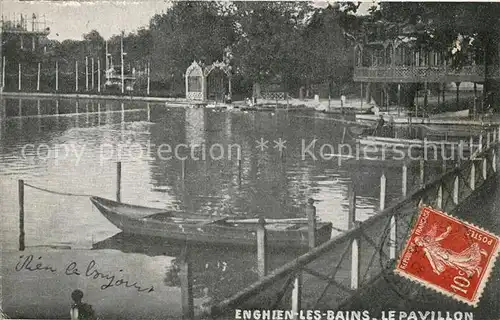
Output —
<point x="72" y="19"/>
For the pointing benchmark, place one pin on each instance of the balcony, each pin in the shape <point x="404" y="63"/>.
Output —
<point x="399" y="74"/>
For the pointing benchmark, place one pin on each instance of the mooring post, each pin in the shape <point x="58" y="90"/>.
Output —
<point x="21" y="215"/>
<point x="262" y="248"/>
<point x="19" y="80"/>
<point x="38" y="78"/>
<point x="351" y="195"/>
<point x="404" y="180"/>
<point x="297" y="295"/>
<point x="57" y="76"/>
<point x="481" y="142"/>
<point x="488" y="137"/>
<point x="382" y="191"/>
<point x="439" y="198"/>
<point x="183" y="169"/>
<point x="485" y="168"/>
<point x="422" y="173"/>
<point x="186" y="280"/>
<point x="355" y="262"/>
<point x="455" y="189"/>
<point x="99" y="75"/>
<point x="311" y="222"/>
<point x="494" y="160"/>
<point x="76" y="76"/>
<point x="472" y="179"/>
<point x="239" y="171"/>
<point x="118" y="181"/>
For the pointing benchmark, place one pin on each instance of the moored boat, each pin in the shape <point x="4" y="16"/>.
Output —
<point x="417" y="144"/>
<point x="226" y="230"/>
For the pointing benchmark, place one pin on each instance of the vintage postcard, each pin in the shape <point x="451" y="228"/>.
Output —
<point x="249" y="160"/>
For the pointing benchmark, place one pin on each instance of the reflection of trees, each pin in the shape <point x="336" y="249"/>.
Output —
<point x="224" y="270"/>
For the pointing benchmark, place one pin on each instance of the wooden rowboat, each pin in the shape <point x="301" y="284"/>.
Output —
<point x="384" y="142"/>
<point x="184" y="226"/>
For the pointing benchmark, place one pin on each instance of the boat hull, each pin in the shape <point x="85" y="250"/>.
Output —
<point x="206" y="231"/>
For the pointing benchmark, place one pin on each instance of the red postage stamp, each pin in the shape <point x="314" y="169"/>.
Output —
<point x="448" y="255"/>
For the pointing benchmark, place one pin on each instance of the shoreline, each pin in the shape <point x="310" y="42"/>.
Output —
<point x="93" y="96"/>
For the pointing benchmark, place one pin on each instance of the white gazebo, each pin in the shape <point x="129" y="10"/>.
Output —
<point x="197" y="76"/>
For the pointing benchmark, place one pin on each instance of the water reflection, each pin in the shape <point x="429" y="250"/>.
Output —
<point x="261" y="182"/>
<point x="220" y="270"/>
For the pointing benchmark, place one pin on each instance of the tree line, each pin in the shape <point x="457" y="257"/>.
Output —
<point x="295" y="44"/>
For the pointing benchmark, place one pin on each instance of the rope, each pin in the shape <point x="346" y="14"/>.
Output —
<point x="58" y="192"/>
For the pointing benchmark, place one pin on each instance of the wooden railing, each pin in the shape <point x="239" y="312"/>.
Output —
<point x="423" y="73"/>
<point x="331" y="274"/>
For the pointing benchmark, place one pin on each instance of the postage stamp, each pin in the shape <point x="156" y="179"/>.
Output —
<point x="449" y="255"/>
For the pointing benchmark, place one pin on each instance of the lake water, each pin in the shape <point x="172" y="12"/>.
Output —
<point x="76" y="151"/>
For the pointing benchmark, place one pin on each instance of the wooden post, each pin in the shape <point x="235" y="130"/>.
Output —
<point x="351" y="195"/>
<point x="99" y="75"/>
<point x="183" y="169"/>
<point x="498" y="131"/>
<point x="481" y="142"/>
<point x="488" y="137"/>
<point x="422" y="173"/>
<point x="87" y="73"/>
<point x="382" y="191"/>
<point x="57" y="76"/>
<point x="118" y="181"/>
<point x="186" y="281"/>
<point x="148" y="107"/>
<point x="404" y="180"/>
<point x="76" y="76"/>
<point x="38" y="78"/>
<point x="485" y="168"/>
<point x="149" y="79"/>
<point x="21" y="215"/>
<point x="297" y="295"/>
<point x="355" y="263"/>
<point x="122" y="66"/>
<point x="471" y="145"/>
<point x="361" y="96"/>
<point x="92" y="74"/>
<point x="239" y="171"/>
<point x="439" y="199"/>
<point x="3" y="72"/>
<point x="494" y="160"/>
<point x="311" y="222"/>
<point x="455" y="190"/>
<point x="472" y="179"/>
<point x="444" y="165"/>
<point x="262" y="248"/>
<point x="19" y="80"/>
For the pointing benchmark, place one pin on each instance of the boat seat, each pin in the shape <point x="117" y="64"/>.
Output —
<point x="282" y="226"/>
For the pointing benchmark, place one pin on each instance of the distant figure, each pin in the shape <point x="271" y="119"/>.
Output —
<point x="375" y="110"/>
<point x="379" y="127"/>
<point x="391" y="126"/>
<point x="80" y="310"/>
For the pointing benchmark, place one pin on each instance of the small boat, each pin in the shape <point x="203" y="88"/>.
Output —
<point x="384" y="142"/>
<point x="454" y="131"/>
<point x="224" y="230"/>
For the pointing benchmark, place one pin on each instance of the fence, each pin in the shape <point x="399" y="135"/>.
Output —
<point x="87" y="76"/>
<point x="331" y="274"/>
